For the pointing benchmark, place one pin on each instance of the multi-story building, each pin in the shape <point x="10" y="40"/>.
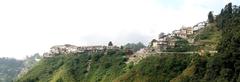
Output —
<point x="168" y="40"/>
<point x="183" y="32"/>
<point x="199" y="26"/>
<point x="162" y="42"/>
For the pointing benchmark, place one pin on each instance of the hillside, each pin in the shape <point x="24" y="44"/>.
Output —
<point x="224" y="65"/>
<point x="208" y="38"/>
<point x="105" y="67"/>
<point x="28" y="63"/>
<point x="222" y="34"/>
<point x="9" y="69"/>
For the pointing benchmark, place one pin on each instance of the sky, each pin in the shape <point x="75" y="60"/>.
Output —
<point x="33" y="26"/>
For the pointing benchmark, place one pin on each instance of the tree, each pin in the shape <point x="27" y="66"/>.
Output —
<point x="181" y="45"/>
<point x="229" y="46"/>
<point x="134" y="46"/>
<point x="121" y="47"/>
<point x="151" y="44"/>
<point x="228" y="8"/>
<point x="9" y="69"/>
<point x="210" y="17"/>
<point x="110" y="43"/>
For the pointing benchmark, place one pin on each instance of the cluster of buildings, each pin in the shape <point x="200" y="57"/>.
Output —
<point x="162" y="43"/>
<point x="68" y="48"/>
<point x="168" y="40"/>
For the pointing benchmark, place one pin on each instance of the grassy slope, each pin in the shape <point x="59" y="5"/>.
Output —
<point x="107" y="68"/>
<point x="104" y="67"/>
<point x="208" y="38"/>
<point x="159" y="68"/>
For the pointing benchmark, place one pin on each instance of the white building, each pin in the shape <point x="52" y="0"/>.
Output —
<point x="68" y="48"/>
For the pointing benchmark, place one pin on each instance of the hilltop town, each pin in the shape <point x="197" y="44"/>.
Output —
<point x="169" y="40"/>
<point x="165" y="42"/>
<point x="68" y="48"/>
<point x="161" y="44"/>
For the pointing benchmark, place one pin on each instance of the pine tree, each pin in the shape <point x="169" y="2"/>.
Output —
<point x="229" y="46"/>
<point x="210" y="17"/>
<point x="110" y="43"/>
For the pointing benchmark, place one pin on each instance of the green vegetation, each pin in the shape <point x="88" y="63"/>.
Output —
<point x="110" y="43"/>
<point x="210" y="17"/>
<point x="221" y="34"/>
<point x="134" y="46"/>
<point x="208" y="38"/>
<point x="81" y="67"/>
<point x="224" y="66"/>
<point x="158" y="68"/>
<point x="229" y="64"/>
<point x="105" y="67"/>
<point x="9" y="69"/>
<point x="181" y="45"/>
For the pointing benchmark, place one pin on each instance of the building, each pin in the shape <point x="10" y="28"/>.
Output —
<point x="154" y="43"/>
<point x="68" y="48"/>
<point x="199" y="26"/>
<point x="168" y="40"/>
<point x="184" y="32"/>
<point x="171" y="41"/>
<point x="162" y="42"/>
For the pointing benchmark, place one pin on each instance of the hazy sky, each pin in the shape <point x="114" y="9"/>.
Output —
<point x="31" y="26"/>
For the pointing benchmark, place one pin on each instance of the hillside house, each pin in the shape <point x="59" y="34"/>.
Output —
<point x="199" y="26"/>
<point x="168" y="40"/>
<point x="162" y="42"/>
<point x="154" y="43"/>
<point x="184" y="32"/>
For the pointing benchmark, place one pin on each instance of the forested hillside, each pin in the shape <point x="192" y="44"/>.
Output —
<point x="222" y="34"/>
<point x="9" y="69"/>
<point x="223" y="66"/>
<point x="105" y="67"/>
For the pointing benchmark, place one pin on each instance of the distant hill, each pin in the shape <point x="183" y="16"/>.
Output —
<point x="9" y="69"/>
